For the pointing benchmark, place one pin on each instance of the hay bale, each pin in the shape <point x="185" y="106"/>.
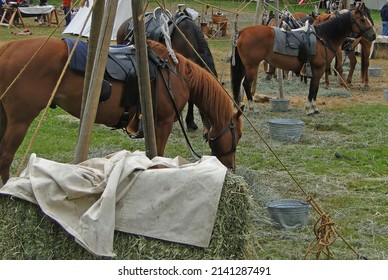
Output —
<point x="26" y="233"/>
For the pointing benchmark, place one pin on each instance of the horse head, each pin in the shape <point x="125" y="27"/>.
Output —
<point x="224" y="142"/>
<point x="361" y="25"/>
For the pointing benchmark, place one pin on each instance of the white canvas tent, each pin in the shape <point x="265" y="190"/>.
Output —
<point x="124" y="11"/>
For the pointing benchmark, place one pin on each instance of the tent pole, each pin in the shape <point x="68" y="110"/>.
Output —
<point x="90" y="111"/>
<point x="143" y="77"/>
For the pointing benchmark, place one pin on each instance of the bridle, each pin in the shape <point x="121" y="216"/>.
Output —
<point x="361" y="31"/>
<point x="231" y="127"/>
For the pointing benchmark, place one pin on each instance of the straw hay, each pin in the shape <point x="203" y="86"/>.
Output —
<point x="26" y="233"/>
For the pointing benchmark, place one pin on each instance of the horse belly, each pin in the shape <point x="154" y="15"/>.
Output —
<point x="289" y="63"/>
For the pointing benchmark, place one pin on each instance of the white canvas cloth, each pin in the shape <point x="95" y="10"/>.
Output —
<point x="125" y="191"/>
<point x="36" y="10"/>
<point x="123" y="12"/>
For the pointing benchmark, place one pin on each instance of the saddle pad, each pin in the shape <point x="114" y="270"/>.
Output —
<point x="78" y="60"/>
<point x="288" y="42"/>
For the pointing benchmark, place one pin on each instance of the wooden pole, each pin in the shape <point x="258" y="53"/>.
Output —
<point x="91" y="105"/>
<point x="95" y="26"/>
<point x="144" y="79"/>
<point x="280" y="71"/>
<point x="257" y="13"/>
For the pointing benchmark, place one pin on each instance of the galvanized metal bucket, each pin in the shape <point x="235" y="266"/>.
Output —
<point x="279" y="104"/>
<point x="374" y="71"/>
<point x="288" y="213"/>
<point x="287" y="130"/>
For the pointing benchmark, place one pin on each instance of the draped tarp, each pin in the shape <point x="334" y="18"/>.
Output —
<point x="163" y="198"/>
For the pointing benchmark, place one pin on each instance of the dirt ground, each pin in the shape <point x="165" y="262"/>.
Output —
<point x="372" y="95"/>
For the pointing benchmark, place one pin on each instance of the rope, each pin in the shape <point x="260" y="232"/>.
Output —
<point x="167" y="39"/>
<point x="324" y="229"/>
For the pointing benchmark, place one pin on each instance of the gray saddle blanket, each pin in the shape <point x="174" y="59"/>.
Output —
<point x="288" y="42"/>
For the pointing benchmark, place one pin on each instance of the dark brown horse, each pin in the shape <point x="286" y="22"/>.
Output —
<point x="29" y="94"/>
<point x="255" y="44"/>
<point x="187" y="31"/>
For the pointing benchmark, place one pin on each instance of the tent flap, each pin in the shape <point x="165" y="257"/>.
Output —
<point x="124" y="11"/>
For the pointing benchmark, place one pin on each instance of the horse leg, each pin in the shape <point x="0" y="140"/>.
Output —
<point x="352" y="62"/>
<point x="338" y="66"/>
<point x="269" y="70"/>
<point x="12" y="139"/>
<point x="327" y="79"/>
<point x="365" y="51"/>
<point x="250" y="75"/>
<point x="191" y="125"/>
<point x="162" y="132"/>
<point x="310" y="106"/>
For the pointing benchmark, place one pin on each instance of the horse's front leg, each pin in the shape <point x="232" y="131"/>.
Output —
<point x="310" y="106"/>
<point x="191" y="125"/>
<point x="365" y="52"/>
<point x="12" y="139"/>
<point x="338" y="66"/>
<point x="162" y="132"/>
<point x="352" y="63"/>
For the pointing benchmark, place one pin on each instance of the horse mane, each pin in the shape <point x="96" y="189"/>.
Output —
<point x="203" y="87"/>
<point x="367" y="13"/>
<point x="202" y="46"/>
<point x="336" y="27"/>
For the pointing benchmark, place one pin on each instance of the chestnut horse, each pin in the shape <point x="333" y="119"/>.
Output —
<point x="188" y="32"/>
<point x="255" y="44"/>
<point x="173" y="86"/>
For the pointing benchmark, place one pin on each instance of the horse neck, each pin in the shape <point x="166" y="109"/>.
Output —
<point x="208" y="95"/>
<point x="335" y="30"/>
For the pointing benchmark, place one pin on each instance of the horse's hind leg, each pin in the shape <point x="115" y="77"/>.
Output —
<point x="352" y="63"/>
<point x="191" y="125"/>
<point x="250" y="76"/>
<point x="310" y="106"/>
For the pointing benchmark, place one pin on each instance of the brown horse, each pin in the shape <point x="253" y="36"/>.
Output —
<point x="366" y="46"/>
<point x="28" y="95"/>
<point x="255" y="44"/>
<point x="186" y="30"/>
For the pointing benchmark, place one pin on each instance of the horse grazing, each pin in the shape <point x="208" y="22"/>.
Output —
<point x="255" y="44"/>
<point x="188" y="30"/>
<point x="172" y="87"/>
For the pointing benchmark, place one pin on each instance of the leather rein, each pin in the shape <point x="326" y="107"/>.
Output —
<point x="211" y="140"/>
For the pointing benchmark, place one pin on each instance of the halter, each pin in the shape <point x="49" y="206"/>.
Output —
<point x="362" y="31"/>
<point x="231" y="128"/>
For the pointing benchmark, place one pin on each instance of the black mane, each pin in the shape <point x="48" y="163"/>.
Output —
<point x="191" y="31"/>
<point x="336" y="27"/>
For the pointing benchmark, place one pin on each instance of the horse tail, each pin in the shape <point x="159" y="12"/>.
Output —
<point x="237" y="74"/>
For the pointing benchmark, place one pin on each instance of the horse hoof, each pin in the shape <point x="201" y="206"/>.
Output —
<point x="191" y="126"/>
<point x="316" y="112"/>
